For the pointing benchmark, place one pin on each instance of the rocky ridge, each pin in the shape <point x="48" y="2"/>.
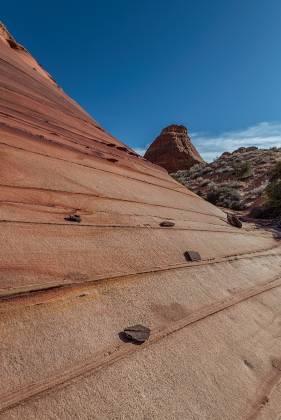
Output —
<point x="235" y="180"/>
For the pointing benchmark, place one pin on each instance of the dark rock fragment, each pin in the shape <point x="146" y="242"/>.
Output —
<point x="248" y="364"/>
<point x="112" y="160"/>
<point x="136" y="333"/>
<point x="167" y="223"/>
<point x="73" y="218"/>
<point x="234" y="220"/>
<point x="192" y="256"/>
<point x="265" y="400"/>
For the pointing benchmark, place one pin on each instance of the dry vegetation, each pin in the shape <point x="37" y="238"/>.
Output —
<point x="236" y="180"/>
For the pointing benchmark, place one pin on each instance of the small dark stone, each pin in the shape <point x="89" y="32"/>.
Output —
<point x="137" y="333"/>
<point x="234" y="220"/>
<point x="166" y="223"/>
<point x="73" y="218"/>
<point x="276" y="363"/>
<point x="192" y="256"/>
<point x="112" y="160"/>
<point x="265" y="400"/>
<point x="249" y="364"/>
<point x="124" y="149"/>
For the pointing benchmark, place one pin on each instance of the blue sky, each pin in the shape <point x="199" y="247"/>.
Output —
<point x="138" y="66"/>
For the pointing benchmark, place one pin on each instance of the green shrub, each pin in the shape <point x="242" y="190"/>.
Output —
<point x="273" y="190"/>
<point x="237" y="205"/>
<point x="263" y="212"/>
<point x="276" y="172"/>
<point x="243" y="170"/>
<point x="225" y="197"/>
<point x="196" y="167"/>
<point x="272" y="206"/>
<point x="204" y="182"/>
<point x="213" y="196"/>
<point x="273" y="193"/>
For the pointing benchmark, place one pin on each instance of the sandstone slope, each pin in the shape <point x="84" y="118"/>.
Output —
<point x="68" y="288"/>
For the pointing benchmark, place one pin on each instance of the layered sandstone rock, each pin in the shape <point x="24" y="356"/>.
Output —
<point x="173" y="149"/>
<point x="85" y="256"/>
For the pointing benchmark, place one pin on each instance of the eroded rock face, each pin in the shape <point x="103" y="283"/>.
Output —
<point x="173" y="149"/>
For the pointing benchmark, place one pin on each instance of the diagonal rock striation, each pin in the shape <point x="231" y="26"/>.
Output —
<point x="212" y="324"/>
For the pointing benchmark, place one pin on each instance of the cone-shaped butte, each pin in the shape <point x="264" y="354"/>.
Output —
<point x="173" y="149"/>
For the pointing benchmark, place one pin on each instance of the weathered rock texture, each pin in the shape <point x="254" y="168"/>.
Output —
<point x="173" y="149"/>
<point x="67" y="290"/>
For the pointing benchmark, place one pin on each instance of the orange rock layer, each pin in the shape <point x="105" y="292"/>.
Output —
<point x="68" y="289"/>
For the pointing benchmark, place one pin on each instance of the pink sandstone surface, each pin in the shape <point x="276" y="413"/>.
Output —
<point x="67" y="289"/>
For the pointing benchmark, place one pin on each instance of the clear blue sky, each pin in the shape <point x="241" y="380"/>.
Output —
<point x="137" y="66"/>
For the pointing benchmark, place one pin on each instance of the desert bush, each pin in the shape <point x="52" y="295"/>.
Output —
<point x="263" y="161"/>
<point x="205" y="170"/>
<point x="234" y="184"/>
<point x="180" y="177"/>
<point x="200" y="172"/>
<point x="204" y="182"/>
<point x="196" y="168"/>
<point x="258" y="190"/>
<point x="243" y="170"/>
<point x="276" y="172"/>
<point x="263" y="212"/>
<point x="228" y="168"/>
<point x="213" y="196"/>
<point x="224" y="196"/>
<point x="237" y="205"/>
<point x="273" y="193"/>
<point x="220" y="170"/>
<point x="211" y="186"/>
<point x="272" y="207"/>
<point x="194" y="175"/>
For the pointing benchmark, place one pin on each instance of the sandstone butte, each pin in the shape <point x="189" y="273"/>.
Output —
<point x="173" y="149"/>
<point x="68" y="289"/>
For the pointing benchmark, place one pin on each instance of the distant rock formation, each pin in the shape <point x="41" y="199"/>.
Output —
<point x="173" y="149"/>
